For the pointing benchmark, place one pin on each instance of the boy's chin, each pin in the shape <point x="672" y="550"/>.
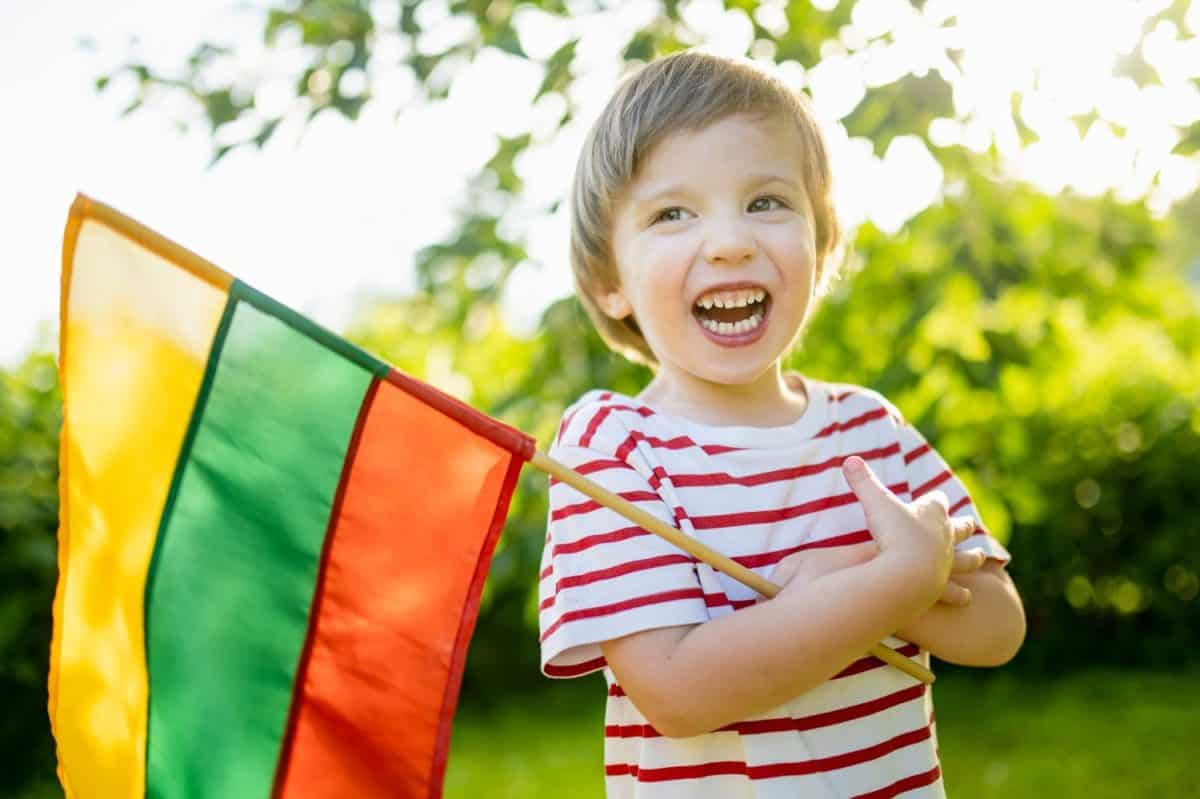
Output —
<point x="740" y="374"/>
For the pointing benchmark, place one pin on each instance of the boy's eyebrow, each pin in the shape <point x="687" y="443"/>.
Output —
<point x="654" y="193"/>
<point x="675" y="189"/>
<point x="773" y="177"/>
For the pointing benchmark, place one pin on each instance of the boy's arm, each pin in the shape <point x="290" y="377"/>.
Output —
<point x="986" y="632"/>
<point x="990" y="629"/>
<point x="692" y="679"/>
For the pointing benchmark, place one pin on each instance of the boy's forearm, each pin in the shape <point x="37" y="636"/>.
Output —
<point x="986" y="632"/>
<point x="762" y="656"/>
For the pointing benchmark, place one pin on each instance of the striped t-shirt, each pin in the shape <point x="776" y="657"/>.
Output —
<point x="757" y="495"/>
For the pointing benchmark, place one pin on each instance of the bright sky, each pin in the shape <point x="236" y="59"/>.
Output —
<point x="331" y="214"/>
<point x="314" y="220"/>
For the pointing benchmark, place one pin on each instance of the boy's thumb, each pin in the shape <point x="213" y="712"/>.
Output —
<point x="873" y="494"/>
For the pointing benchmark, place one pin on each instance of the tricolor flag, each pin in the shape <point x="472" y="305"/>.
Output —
<point x="271" y="544"/>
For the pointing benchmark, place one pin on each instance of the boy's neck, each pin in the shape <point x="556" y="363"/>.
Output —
<point x="771" y="400"/>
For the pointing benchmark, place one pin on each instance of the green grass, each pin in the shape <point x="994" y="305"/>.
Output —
<point x="1094" y="735"/>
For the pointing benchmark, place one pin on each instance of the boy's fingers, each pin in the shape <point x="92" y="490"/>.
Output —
<point x="955" y="594"/>
<point x="964" y="528"/>
<point x="933" y="507"/>
<point x="873" y="495"/>
<point x="846" y="556"/>
<point x="968" y="561"/>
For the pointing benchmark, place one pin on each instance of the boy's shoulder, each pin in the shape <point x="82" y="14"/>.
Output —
<point x="602" y="419"/>
<point x="599" y="419"/>
<point x="593" y="420"/>
<point x="853" y="399"/>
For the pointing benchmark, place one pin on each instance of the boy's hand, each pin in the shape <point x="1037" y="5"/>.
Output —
<point x="803" y="567"/>
<point x="920" y="536"/>
<point x="964" y="563"/>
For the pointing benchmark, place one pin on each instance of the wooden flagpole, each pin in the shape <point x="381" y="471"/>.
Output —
<point x="85" y="206"/>
<point x="710" y="556"/>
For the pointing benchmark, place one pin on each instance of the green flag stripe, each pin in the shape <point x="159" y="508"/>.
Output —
<point x="210" y="370"/>
<point x="309" y="328"/>
<point x="237" y="558"/>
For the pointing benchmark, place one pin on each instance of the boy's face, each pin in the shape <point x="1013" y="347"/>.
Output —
<point x="723" y="208"/>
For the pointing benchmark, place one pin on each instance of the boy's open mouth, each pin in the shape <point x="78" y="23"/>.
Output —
<point x="732" y="313"/>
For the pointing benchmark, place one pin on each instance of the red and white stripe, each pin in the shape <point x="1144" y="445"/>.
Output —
<point x="757" y="497"/>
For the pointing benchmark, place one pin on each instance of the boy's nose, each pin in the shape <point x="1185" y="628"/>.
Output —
<point x="728" y="242"/>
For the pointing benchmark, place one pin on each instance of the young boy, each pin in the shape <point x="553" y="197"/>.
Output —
<point x="702" y="235"/>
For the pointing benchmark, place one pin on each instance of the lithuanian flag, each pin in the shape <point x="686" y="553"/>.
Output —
<point x="271" y="544"/>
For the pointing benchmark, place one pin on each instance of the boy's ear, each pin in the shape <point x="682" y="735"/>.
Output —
<point x="614" y="304"/>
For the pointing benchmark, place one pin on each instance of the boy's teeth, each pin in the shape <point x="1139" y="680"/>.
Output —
<point x="731" y="299"/>
<point x="733" y="328"/>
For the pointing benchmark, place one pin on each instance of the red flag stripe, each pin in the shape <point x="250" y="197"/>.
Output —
<point x="365" y="670"/>
<point x="520" y="444"/>
<point x="289" y="738"/>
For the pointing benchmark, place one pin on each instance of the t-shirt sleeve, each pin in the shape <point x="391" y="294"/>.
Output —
<point x="602" y="576"/>
<point x="928" y="471"/>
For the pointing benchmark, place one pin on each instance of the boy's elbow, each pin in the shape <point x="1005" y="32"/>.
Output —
<point x="1007" y="642"/>
<point x="1014" y="640"/>
<point x="670" y="708"/>
<point x="670" y="717"/>
<point x="682" y="725"/>
<point x="1009" y="629"/>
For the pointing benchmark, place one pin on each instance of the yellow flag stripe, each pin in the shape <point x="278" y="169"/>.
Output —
<point x="86" y="207"/>
<point x="135" y="337"/>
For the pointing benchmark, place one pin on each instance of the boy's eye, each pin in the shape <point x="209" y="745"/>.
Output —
<point x="767" y="204"/>
<point x="673" y="214"/>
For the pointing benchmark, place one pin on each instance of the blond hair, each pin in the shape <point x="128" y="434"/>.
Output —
<point x="685" y="91"/>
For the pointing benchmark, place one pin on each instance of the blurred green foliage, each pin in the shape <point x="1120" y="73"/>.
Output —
<point x="29" y="420"/>
<point x="1000" y="736"/>
<point x="1048" y="346"/>
<point x="1043" y="344"/>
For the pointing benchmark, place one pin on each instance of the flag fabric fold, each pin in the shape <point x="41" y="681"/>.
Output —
<point x="271" y="544"/>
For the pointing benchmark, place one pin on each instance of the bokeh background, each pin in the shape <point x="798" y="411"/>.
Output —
<point x="1020" y="183"/>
